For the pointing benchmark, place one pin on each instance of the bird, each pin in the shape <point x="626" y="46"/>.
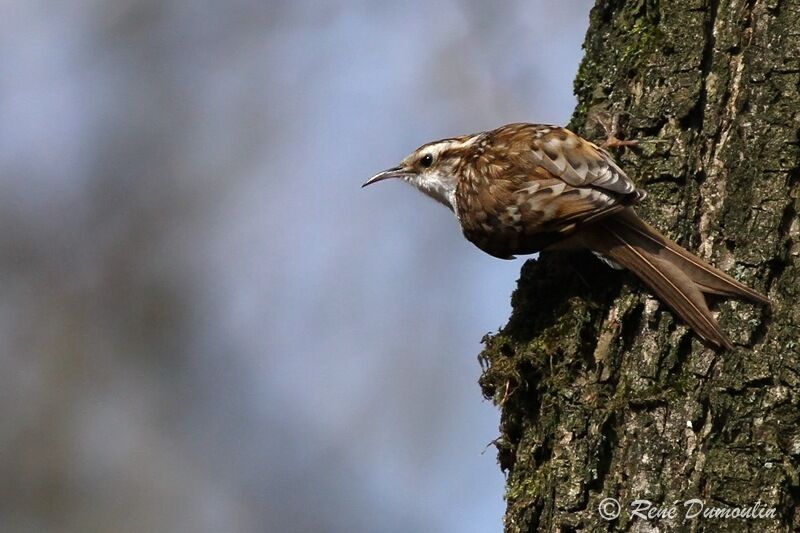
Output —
<point x="524" y="188"/>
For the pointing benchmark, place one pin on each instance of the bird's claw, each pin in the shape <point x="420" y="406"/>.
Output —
<point x="612" y="128"/>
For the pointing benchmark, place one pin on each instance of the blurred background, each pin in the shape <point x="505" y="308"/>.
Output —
<point x="205" y="324"/>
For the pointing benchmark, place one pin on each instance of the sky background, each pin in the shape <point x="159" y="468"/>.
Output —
<point x="205" y="324"/>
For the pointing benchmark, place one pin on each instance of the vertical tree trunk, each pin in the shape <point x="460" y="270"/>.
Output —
<point x="603" y="393"/>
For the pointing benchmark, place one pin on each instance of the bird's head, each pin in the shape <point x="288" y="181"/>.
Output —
<point x="432" y="168"/>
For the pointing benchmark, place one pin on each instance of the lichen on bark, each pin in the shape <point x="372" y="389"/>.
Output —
<point x="603" y="392"/>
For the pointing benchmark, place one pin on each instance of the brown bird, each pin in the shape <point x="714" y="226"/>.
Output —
<point x="524" y="188"/>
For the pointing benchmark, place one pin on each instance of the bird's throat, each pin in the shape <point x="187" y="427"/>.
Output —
<point x="441" y="190"/>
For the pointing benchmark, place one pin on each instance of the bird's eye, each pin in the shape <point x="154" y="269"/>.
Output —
<point x="426" y="161"/>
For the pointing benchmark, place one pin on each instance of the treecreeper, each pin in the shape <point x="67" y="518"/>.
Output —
<point x="524" y="188"/>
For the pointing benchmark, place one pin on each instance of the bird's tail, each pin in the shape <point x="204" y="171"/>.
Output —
<point x="676" y="276"/>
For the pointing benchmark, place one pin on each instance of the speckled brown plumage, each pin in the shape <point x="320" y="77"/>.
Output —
<point x="524" y="188"/>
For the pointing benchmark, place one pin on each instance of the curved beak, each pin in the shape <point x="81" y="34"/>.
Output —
<point x="396" y="172"/>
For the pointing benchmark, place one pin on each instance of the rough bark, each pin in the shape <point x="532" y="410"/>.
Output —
<point x="603" y="392"/>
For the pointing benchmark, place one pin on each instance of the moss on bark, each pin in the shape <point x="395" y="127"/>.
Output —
<point x="603" y="393"/>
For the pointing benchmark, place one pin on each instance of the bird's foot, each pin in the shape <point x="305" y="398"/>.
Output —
<point x="613" y="142"/>
<point x="611" y="127"/>
<point x="610" y="124"/>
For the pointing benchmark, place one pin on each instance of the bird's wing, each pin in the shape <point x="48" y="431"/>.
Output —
<point x="566" y="180"/>
<point x="576" y="161"/>
<point x="521" y="213"/>
<point x="530" y="186"/>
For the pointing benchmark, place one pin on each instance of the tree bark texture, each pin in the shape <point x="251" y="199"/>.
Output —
<point x="603" y="392"/>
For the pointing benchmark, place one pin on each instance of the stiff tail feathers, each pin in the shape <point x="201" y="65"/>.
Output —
<point x="708" y="278"/>
<point x="676" y="276"/>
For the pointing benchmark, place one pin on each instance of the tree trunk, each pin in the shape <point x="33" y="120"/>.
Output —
<point x="604" y="394"/>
